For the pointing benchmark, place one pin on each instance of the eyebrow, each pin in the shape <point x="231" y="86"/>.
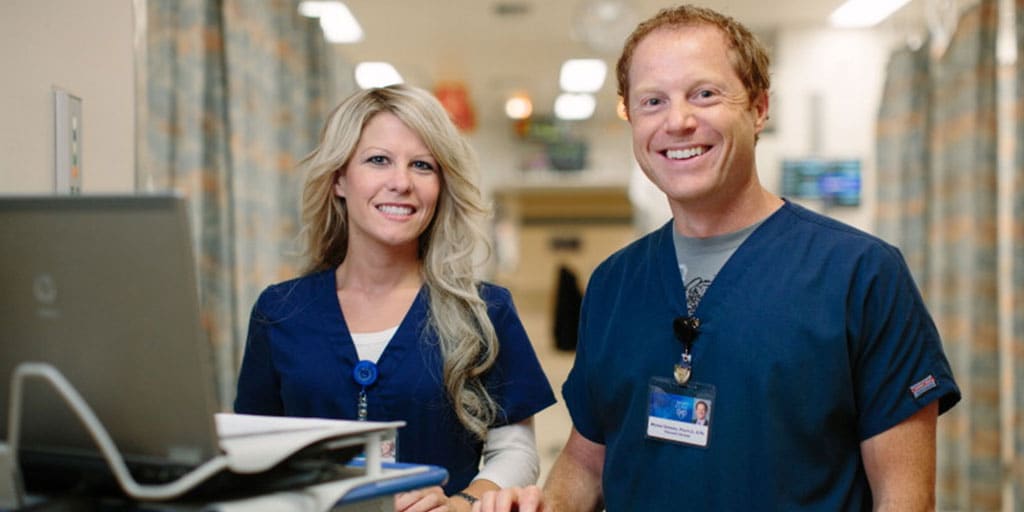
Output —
<point x="370" y="149"/>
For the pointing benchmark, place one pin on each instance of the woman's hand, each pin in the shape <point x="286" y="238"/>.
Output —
<point x="430" y="499"/>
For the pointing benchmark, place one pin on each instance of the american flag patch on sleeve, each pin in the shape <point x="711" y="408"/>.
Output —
<point x="922" y="386"/>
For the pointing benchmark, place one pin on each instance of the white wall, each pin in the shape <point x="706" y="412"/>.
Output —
<point x="85" y="48"/>
<point x="845" y="70"/>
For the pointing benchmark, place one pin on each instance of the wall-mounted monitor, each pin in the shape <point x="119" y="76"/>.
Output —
<point x="836" y="182"/>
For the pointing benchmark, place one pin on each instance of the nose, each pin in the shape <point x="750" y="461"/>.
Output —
<point x="400" y="180"/>
<point x="680" y="119"/>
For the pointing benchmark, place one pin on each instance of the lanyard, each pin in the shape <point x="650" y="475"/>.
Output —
<point x="365" y="374"/>
<point x="686" y="329"/>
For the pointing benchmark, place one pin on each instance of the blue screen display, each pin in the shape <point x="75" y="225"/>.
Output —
<point x="834" y="182"/>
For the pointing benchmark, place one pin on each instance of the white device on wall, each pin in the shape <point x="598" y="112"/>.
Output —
<point x="67" y="142"/>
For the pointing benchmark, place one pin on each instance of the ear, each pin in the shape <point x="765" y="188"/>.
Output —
<point x="339" y="184"/>
<point x="760" y="107"/>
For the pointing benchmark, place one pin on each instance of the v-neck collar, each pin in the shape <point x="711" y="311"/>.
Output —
<point x="725" y="283"/>
<point x="404" y="341"/>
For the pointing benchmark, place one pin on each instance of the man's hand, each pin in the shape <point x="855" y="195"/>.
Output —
<point x="574" y="483"/>
<point x="521" y="499"/>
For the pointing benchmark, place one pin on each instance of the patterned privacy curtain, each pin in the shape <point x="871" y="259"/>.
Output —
<point x="903" y="158"/>
<point x="1012" y="237"/>
<point x="938" y="202"/>
<point x="235" y="93"/>
<point x="962" y="238"/>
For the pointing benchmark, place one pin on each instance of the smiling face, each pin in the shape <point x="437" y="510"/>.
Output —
<point x="391" y="185"/>
<point x="701" y="410"/>
<point x="694" y="126"/>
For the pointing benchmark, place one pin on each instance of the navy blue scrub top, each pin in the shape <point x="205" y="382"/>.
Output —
<point x="815" y="338"/>
<point x="299" y="358"/>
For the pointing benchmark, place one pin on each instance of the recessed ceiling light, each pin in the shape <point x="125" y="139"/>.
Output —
<point x="311" y="9"/>
<point x="376" y="74"/>
<point x="574" y="107"/>
<point x="864" y="13"/>
<point x="518" y="106"/>
<point x="336" y="20"/>
<point x="582" y="75"/>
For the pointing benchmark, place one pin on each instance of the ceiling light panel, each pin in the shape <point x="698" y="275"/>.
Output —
<point x="574" y="107"/>
<point x="864" y="13"/>
<point x="312" y="9"/>
<point x="336" y="21"/>
<point x="583" y="75"/>
<point x="376" y="74"/>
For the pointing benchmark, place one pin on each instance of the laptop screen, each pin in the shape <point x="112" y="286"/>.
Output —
<point x="104" y="289"/>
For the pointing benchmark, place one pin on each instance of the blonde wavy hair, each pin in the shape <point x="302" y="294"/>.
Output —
<point x="458" y="315"/>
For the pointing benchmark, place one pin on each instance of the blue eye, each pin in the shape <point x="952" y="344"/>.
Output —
<point x="377" y="160"/>
<point x="705" y="94"/>
<point x="423" y="166"/>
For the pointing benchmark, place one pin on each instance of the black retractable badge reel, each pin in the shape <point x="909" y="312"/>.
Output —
<point x="365" y="374"/>
<point x="679" y="410"/>
<point x="686" y="329"/>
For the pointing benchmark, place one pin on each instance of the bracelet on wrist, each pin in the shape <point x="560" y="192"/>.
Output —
<point x="466" y="496"/>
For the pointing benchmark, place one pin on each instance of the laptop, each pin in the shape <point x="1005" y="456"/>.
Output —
<point x="104" y="289"/>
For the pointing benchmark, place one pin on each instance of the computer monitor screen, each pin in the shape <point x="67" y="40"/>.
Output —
<point x="103" y="288"/>
<point x="834" y="182"/>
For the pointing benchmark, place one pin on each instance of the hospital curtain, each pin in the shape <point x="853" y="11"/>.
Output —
<point x="1012" y="258"/>
<point x="902" y="152"/>
<point x="962" y="236"/>
<point x="234" y="97"/>
<point x="947" y="225"/>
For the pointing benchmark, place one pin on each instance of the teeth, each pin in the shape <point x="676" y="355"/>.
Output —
<point x="395" y="210"/>
<point x="680" y="154"/>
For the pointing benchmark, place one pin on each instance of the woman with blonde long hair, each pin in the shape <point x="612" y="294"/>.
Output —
<point x="388" y="320"/>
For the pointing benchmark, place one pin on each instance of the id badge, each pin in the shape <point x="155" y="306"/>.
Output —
<point x="389" y="448"/>
<point x="680" y="414"/>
